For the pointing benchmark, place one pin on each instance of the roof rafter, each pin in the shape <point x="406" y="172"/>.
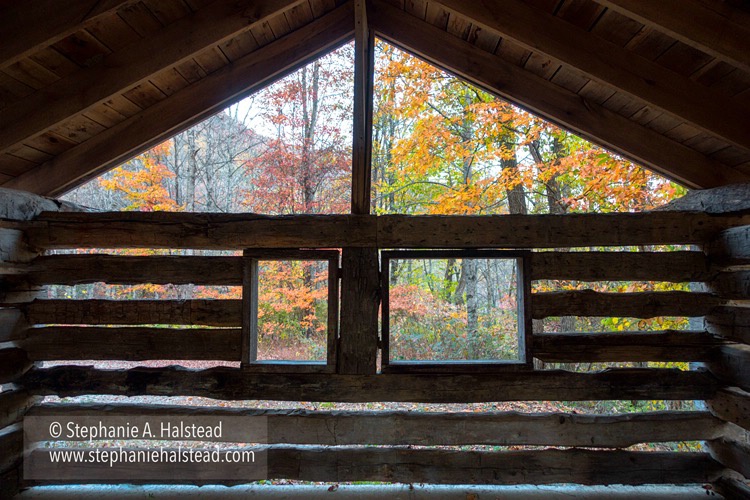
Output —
<point x="119" y="71"/>
<point x="552" y="102"/>
<point x="189" y="106"/>
<point x="717" y="29"/>
<point x="50" y="22"/>
<point x="612" y="65"/>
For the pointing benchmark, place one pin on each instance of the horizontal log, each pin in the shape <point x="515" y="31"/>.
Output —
<point x="667" y="345"/>
<point x="392" y="428"/>
<point x="13" y="362"/>
<point x="732" y="405"/>
<point x="237" y="231"/>
<point x="11" y="442"/>
<point x="731" y="454"/>
<point x="14" y="403"/>
<point x="132" y="344"/>
<point x="236" y="384"/>
<point x="632" y="305"/>
<point x="224" y="313"/>
<point x="676" y="267"/>
<point x="199" y="270"/>
<point x="12" y="324"/>
<point x="131" y="270"/>
<point x="733" y="488"/>
<point x="731" y="322"/>
<point x="437" y="467"/>
<point x="193" y="230"/>
<point x="732" y="365"/>
<point x="731" y="285"/>
<point x="731" y="246"/>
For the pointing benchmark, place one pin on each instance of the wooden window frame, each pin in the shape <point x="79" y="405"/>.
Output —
<point x="251" y="257"/>
<point x="525" y="361"/>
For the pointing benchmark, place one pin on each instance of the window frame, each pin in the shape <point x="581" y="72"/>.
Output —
<point x="250" y="282"/>
<point x="523" y="272"/>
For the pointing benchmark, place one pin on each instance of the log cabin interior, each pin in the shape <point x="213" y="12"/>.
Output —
<point x="665" y="84"/>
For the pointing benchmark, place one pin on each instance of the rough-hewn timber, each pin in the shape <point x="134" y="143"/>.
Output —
<point x="341" y="428"/>
<point x="636" y="305"/>
<point x="732" y="405"/>
<point x="131" y="344"/>
<point x="237" y="231"/>
<point x="731" y="363"/>
<point x="458" y="467"/>
<point x="669" y="345"/>
<point x="228" y="383"/>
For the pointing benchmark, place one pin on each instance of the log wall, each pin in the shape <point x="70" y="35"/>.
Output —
<point x="182" y="331"/>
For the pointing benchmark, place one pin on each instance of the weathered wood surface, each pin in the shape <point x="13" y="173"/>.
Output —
<point x="120" y="270"/>
<point x="732" y="364"/>
<point x="732" y="405"/>
<point x="621" y="266"/>
<point x="731" y="246"/>
<point x="669" y="345"/>
<point x="13" y="405"/>
<point x="341" y="428"/>
<point x="12" y="324"/>
<point x="731" y="454"/>
<point x="220" y="270"/>
<point x="221" y="313"/>
<point x="719" y="200"/>
<point x="228" y="383"/>
<point x="731" y="322"/>
<point x="733" y="488"/>
<point x="455" y="467"/>
<point x="360" y="302"/>
<point x="131" y="344"/>
<point x="731" y="285"/>
<point x="11" y="442"/>
<point x="237" y="231"/>
<point x="636" y="305"/>
<point x="13" y="248"/>
<point x="13" y="362"/>
<point x="21" y="205"/>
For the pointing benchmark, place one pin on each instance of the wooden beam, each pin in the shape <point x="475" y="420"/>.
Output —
<point x="218" y="313"/>
<point x="360" y="302"/>
<point x="237" y="231"/>
<point x="401" y="465"/>
<point x="402" y="428"/>
<point x="731" y="454"/>
<point x="731" y="247"/>
<point x="11" y="442"/>
<point x="131" y="344"/>
<point x="731" y="405"/>
<point x="14" y="403"/>
<point x="732" y="365"/>
<point x="13" y="362"/>
<point x="130" y="66"/>
<point x="31" y="25"/>
<point x="236" y="384"/>
<point x="364" y="68"/>
<point x="731" y="322"/>
<point x="731" y="487"/>
<point x="68" y="269"/>
<point x="615" y="66"/>
<point x="188" y="106"/>
<point x="629" y="305"/>
<point x="668" y="345"/>
<point x="716" y="28"/>
<point x="551" y="101"/>
<point x="675" y="267"/>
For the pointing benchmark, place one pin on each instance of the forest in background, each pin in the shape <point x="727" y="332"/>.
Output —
<point x="440" y="146"/>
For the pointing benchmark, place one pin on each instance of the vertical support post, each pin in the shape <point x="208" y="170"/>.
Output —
<point x="364" y="62"/>
<point x="360" y="300"/>
<point x="249" y="310"/>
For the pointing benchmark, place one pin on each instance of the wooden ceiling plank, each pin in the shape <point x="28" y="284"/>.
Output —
<point x="611" y="64"/>
<point x="550" y="101"/>
<point x="189" y="106"/>
<point x="719" y="30"/>
<point x="127" y="68"/>
<point x="18" y="41"/>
